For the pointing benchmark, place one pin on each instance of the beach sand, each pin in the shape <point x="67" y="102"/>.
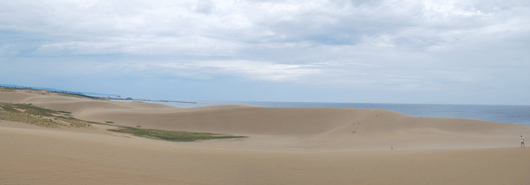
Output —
<point x="285" y="146"/>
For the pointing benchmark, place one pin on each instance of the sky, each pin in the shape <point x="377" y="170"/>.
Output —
<point x="357" y="51"/>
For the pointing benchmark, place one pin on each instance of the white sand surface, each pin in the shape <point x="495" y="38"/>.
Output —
<point x="285" y="146"/>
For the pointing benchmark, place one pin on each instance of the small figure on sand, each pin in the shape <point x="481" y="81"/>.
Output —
<point x="391" y="147"/>
<point x="522" y="141"/>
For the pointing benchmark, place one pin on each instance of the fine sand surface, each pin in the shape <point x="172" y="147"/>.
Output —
<point x="285" y="146"/>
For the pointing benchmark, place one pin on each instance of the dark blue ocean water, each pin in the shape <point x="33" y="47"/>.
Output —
<point x="513" y="114"/>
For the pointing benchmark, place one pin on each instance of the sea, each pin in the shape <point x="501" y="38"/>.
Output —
<point x="512" y="114"/>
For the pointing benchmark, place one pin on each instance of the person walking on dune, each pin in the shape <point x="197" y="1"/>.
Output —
<point x="522" y="141"/>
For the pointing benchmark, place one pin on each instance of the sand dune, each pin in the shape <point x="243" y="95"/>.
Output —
<point x="59" y="157"/>
<point x="330" y="128"/>
<point x="286" y="146"/>
<point x="338" y="128"/>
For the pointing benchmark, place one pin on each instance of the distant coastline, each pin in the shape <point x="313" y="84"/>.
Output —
<point x="74" y="93"/>
<point x="511" y="114"/>
<point x="88" y="94"/>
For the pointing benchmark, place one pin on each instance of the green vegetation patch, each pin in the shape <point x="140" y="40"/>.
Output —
<point x="7" y="89"/>
<point x="179" y="136"/>
<point x="79" y="95"/>
<point x="33" y="110"/>
<point x="27" y="113"/>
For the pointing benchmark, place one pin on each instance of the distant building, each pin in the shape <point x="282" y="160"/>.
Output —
<point x="128" y="98"/>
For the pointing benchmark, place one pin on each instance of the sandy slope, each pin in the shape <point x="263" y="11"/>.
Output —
<point x="331" y="128"/>
<point x="286" y="146"/>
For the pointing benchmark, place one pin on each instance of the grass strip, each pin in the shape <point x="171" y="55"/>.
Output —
<point x="27" y="113"/>
<point x="178" y="136"/>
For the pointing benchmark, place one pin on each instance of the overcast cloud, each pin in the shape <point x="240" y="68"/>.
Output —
<point x="467" y="50"/>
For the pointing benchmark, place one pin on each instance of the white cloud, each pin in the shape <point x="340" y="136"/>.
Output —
<point x="264" y="71"/>
<point x="392" y="44"/>
<point x="143" y="45"/>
